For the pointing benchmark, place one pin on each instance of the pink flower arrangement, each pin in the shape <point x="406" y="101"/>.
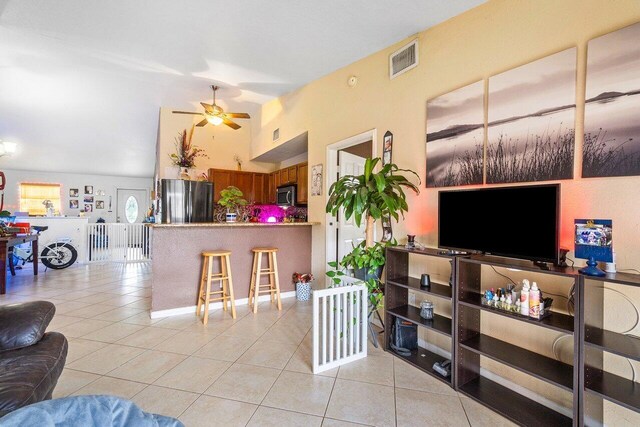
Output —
<point x="302" y="278"/>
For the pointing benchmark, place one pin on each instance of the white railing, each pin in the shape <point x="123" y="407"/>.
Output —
<point x="116" y="242"/>
<point x="339" y="326"/>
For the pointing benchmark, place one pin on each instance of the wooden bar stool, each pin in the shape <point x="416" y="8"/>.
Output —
<point x="226" y="283"/>
<point x="273" y="287"/>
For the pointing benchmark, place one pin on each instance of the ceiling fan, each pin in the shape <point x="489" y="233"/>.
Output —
<point x="215" y="115"/>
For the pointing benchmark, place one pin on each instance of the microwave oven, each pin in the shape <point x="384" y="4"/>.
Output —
<point x="286" y="195"/>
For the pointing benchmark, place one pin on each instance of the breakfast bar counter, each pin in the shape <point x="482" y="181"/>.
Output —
<point x="177" y="260"/>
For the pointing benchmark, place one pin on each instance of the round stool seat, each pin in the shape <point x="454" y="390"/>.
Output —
<point x="221" y="252"/>
<point x="255" y="250"/>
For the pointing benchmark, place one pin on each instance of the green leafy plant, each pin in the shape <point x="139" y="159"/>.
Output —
<point x="231" y="198"/>
<point x="371" y="195"/>
<point x="367" y="258"/>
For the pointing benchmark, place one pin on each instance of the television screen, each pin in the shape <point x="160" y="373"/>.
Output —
<point x="517" y="222"/>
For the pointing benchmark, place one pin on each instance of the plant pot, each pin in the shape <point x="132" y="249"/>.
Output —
<point x="361" y="273"/>
<point x="231" y="216"/>
<point x="303" y="291"/>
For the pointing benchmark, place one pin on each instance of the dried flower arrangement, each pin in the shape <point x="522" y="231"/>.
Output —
<point x="186" y="154"/>
<point x="302" y="278"/>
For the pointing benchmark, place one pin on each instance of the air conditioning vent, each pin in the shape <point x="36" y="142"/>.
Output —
<point x="276" y="134"/>
<point x="403" y="59"/>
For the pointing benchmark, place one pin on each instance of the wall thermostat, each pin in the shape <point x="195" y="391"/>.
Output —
<point x="353" y="80"/>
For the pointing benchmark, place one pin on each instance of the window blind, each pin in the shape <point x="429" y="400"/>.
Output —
<point x="32" y="195"/>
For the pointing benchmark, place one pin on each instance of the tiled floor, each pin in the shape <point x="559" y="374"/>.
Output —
<point x="254" y="371"/>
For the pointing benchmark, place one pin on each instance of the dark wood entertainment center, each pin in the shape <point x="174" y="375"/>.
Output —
<point x="585" y="378"/>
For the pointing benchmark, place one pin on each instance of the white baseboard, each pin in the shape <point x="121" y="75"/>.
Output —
<point x="214" y="305"/>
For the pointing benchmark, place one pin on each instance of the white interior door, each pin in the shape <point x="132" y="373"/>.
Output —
<point x="131" y="205"/>
<point x="349" y="234"/>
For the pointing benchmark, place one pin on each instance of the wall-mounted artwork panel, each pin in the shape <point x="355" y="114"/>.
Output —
<point x="612" y="109"/>
<point x="531" y="121"/>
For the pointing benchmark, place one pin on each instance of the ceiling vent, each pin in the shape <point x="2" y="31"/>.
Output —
<point x="403" y="59"/>
<point x="276" y="135"/>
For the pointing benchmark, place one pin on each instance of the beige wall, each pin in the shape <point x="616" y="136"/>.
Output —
<point x="487" y="40"/>
<point x="220" y="142"/>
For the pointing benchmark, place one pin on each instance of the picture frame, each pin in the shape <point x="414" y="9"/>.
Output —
<point x="74" y="204"/>
<point x="99" y="204"/>
<point x="88" y="199"/>
<point x="316" y="180"/>
<point x="88" y="207"/>
<point x="387" y="147"/>
<point x="74" y="192"/>
<point x="88" y="189"/>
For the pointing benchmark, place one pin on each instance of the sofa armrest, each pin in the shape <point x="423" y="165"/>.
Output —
<point x="22" y="325"/>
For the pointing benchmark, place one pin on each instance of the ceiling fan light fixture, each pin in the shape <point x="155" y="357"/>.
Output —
<point x="214" y="120"/>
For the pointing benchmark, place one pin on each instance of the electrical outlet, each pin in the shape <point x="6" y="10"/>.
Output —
<point x="412" y="298"/>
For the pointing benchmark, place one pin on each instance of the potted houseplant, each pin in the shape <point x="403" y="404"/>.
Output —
<point x="186" y="153"/>
<point x="303" y="285"/>
<point x="231" y="198"/>
<point x="369" y="197"/>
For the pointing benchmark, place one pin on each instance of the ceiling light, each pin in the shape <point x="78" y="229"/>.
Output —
<point x="7" y="148"/>
<point x="214" y="120"/>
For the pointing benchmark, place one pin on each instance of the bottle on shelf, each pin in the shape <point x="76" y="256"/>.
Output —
<point x="534" y="301"/>
<point x="524" y="298"/>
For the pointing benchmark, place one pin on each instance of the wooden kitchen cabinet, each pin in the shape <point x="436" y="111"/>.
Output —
<point x="221" y="179"/>
<point x="284" y="176"/>
<point x="254" y="185"/>
<point x="303" y="183"/>
<point x="293" y="174"/>
<point x="244" y="182"/>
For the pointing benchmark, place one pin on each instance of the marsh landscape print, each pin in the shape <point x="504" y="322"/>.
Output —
<point x="531" y="121"/>
<point x="455" y="137"/>
<point x="612" y="109"/>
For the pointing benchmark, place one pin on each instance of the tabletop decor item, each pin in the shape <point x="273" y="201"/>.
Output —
<point x="303" y="285"/>
<point x="593" y="242"/>
<point x="426" y="310"/>
<point x="231" y="198"/>
<point x="186" y="153"/>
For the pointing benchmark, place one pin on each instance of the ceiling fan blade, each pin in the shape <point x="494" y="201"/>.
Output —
<point x="187" y="112"/>
<point x="202" y="123"/>
<point x="238" y="115"/>
<point x="231" y="124"/>
<point x="207" y="107"/>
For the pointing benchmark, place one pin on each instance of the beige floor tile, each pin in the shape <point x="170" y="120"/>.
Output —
<point x="210" y="411"/>
<point x="328" y="422"/>
<point x="179" y="322"/>
<point x="68" y="306"/>
<point x="147" y="367"/>
<point x="248" y="326"/>
<point x="301" y="362"/>
<point x="304" y="393"/>
<point x="287" y="333"/>
<point x="95" y="298"/>
<point x="164" y="401"/>
<point x="406" y="376"/>
<point x="112" y="387"/>
<point x="415" y="407"/>
<point x="363" y="403"/>
<point x="113" y="332"/>
<point x="141" y="319"/>
<point x="71" y="381"/>
<point x="246" y="383"/>
<point x="271" y="417"/>
<point x="185" y="343"/>
<point x="60" y="321"/>
<point x="480" y="416"/>
<point x="106" y="359"/>
<point x="86" y="326"/>
<point x="78" y="348"/>
<point x="372" y="369"/>
<point x="224" y="348"/>
<point x="118" y="314"/>
<point x="148" y="337"/>
<point x="121" y="300"/>
<point x="90" y="310"/>
<point x="144" y="303"/>
<point x="271" y="354"/>
<point x="194" y="374"/>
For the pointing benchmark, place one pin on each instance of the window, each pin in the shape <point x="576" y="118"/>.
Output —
<point x="131" y="209"/>
<point x="32" y="196"/>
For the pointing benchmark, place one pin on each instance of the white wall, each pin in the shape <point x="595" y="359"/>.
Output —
<point x="71" y="180"/>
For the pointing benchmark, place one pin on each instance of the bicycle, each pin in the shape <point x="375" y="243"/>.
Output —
<point x="57" y="255"/>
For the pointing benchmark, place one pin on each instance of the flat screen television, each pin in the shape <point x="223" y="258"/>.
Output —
<point x="516" y="222"/>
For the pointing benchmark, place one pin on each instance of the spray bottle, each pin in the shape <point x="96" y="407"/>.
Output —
<point x="534" y="302"/>
<point x="524" y="298"/>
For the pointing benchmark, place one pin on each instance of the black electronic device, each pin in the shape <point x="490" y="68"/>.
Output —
<point x="516" y="222"/>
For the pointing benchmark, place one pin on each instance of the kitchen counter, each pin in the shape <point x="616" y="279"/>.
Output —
<point x="177" y="259"/>
<point x="235" y="224"/>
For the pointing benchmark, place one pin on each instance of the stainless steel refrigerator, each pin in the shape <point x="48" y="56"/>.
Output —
<point x="186" y="201"/>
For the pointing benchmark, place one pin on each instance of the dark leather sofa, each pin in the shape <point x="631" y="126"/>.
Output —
<point x="31" y="360"/>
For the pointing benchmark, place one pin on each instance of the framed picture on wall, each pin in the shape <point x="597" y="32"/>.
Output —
<point x="73" y="204"/>
<point x="88" y="199"/>
<point x="387" y="146"/>
<point x="316" y="180"/>
<point x="74" y="192"/>
<point x="88" y="189"/>
<point x="99" y="204"/>
<point x="88" y="208"/>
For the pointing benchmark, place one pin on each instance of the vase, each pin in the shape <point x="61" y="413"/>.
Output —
<point x="231" y="216"/>
<point x="303" y="291"/>
<point x="184" y="173"/>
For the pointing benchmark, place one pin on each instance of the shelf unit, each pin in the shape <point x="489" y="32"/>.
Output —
<point x="471" y="344"/>
<point x="398" y="283"/>
<point x="599" y="384"/>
